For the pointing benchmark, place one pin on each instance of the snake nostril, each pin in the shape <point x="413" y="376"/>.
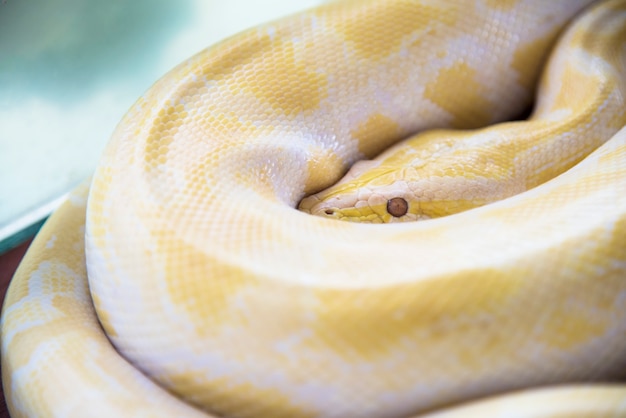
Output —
<point x="329" y="211"/>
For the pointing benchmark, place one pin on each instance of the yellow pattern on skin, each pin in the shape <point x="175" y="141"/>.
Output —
<point x="320" y="168"/>
<point x="502" y="4"/>
<point x="181" y="288"/>
<point x="279" y="91"/>
<point x="213" y="287"/>
<point x="376" y="339"/>
<point x="462" y="79"/>
<point x="535" y="50"/>
<point x="388" y="39"/>
<point x="369" y="133"/>
<point x="267" y="402"/>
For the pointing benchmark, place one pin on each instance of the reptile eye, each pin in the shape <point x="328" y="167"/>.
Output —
<point x="397" y="207"/>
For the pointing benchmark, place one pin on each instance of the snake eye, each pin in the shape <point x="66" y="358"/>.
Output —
<point x="397" y="207"/>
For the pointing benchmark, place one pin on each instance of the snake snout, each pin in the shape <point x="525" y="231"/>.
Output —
<point x="326" y="212"/>
<point x="322" y="205"/>
<point x="323" y="209"/>
<point x="315" y="206"/>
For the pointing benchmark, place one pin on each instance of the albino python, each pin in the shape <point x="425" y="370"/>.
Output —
<point x="183" y="281"/>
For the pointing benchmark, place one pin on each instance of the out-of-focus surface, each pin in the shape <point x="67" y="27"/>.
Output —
<point x="70" y="69"/>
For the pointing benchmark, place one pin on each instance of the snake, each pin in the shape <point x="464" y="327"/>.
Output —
<point x="182" y="280"/>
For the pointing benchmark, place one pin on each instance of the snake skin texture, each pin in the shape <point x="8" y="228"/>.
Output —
<point x="442" y="172"/>
<point x="182" y="280"/>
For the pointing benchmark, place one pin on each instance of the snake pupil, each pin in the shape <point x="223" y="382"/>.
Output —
<point x="397" y="207"/>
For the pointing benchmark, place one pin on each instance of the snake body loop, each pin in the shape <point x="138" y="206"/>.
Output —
<point x="441" y="172"/>
<point x="182" y="281"/>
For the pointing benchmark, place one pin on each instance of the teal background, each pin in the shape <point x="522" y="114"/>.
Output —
<point x="69" y="69"/>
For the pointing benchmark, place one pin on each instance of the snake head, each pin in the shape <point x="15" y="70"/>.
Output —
<point x="435" y="178"/>
<point x="368" y="193"/>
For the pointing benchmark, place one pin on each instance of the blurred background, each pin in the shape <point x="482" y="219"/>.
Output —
<point x="69" y="69"/>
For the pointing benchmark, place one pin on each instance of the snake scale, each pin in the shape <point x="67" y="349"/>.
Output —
<point x="182" y="281"/>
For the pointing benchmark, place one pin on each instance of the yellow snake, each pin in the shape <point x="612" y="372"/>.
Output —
<point x="219" y="298"/>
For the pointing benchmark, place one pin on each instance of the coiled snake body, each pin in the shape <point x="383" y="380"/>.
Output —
<point x="218" y="297"/>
